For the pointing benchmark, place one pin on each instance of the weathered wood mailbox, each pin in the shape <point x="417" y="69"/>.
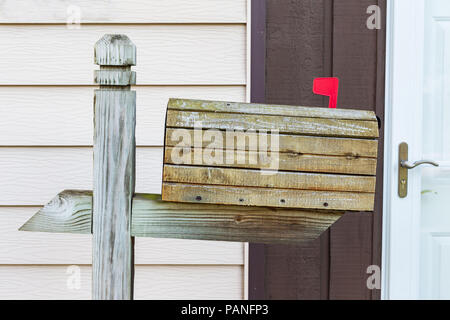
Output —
<point x="232" y="172"/>
<point x="269" y="155"/>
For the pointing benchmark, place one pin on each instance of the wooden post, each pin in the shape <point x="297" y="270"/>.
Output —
<point x="114" y="168"/>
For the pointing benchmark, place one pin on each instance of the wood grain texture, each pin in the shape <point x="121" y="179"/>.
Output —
<point x="287" y="198"/>
<point x="115" y="50"/>
<point x="152" y="282"/>
<point x="117" y="11"/>
<point x="185" y="126"/>
<point x="114" y="175"/>
<point x="267" y="179"/>
<point x="286" y="161"/>
<point x="185" y="54"/>
<point x="286" y="125"/>
<point x="155" y="218"/>
<point x="293" y="144"/>
<point x="29" y="118"/>
<point x="114" y="183"/>
<point x="266" y="109"/>
<point x="115" y="77"/>
<point x="69" y="212"/>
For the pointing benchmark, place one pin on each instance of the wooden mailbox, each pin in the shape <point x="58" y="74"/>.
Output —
<point x="218" y="157"/>
<point x="269" y="155"/>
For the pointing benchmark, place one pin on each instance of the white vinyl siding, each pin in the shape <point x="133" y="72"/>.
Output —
<point x="186" y="49"/>
<point x="166" y="54"/>
<point x="151" y="282"/>
<point x="120" y="11"/>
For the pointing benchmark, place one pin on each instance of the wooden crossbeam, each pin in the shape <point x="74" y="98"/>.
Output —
<point x="71" y="212"/>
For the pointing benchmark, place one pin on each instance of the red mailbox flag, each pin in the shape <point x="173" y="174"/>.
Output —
<point x="327" y="87"/>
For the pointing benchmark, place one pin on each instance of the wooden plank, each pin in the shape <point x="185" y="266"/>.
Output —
<point x="268" y="197"/>
<point x="286" y="161"/>
<point x="69" y="212"/>
<point x="293" y="144"/>
<point x="43" y="282"/>
<point x="43" y="248"/>
<point x="29" y="118"/>
<point x="185" y="54"/>
<point x="155" y="218"/>
<point x="267" y="179"/>
<point x="287" y="125"/>
<point x="114" y="174"/>
<point x="266" y="109"/>
<point x="118" y="11"/>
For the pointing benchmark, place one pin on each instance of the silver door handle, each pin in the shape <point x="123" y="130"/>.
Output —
<point x="404" y="166"/>
<point x="408" y="165"/>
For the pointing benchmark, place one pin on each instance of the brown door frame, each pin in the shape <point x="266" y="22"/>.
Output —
<point x="336" y="274"/>
<point x="256" y="264"/>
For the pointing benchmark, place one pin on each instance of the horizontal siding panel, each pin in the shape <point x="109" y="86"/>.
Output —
<point x="151" y="282"/>
<point x="192" y="283"/>
<point x="42" y="282"/>
<point x="177" y="252"/>
<point x="34" y="176"/>
<point x="119" y="11"/>
<point x="62" y="116"/>
<point x="166" y="54"/>
<point x="19" y="247"/>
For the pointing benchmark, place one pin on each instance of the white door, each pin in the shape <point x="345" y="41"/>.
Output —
<point x="416" y="246"/>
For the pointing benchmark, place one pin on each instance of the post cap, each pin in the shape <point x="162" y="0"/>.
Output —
<point x="115" y="50"/>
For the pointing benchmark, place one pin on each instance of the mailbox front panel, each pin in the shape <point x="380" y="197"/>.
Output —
<point x="269" y="155"/>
